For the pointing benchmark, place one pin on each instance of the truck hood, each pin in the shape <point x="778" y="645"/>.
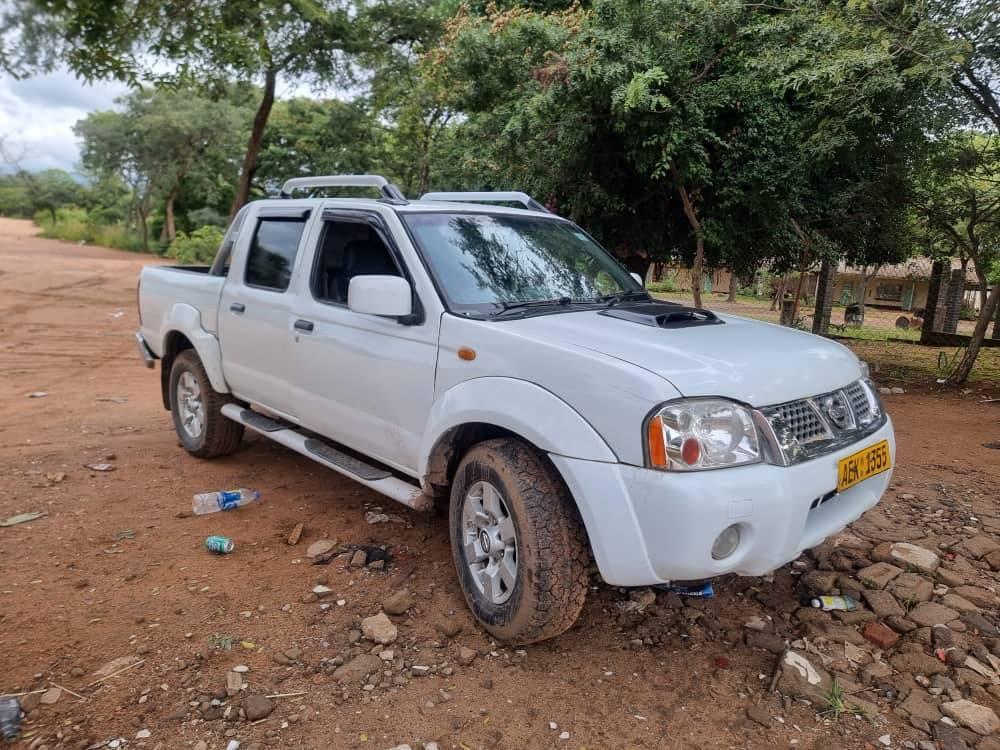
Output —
<point x="746" y="360"/>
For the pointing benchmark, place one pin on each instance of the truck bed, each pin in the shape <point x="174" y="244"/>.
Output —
<point x="163" y="287"/>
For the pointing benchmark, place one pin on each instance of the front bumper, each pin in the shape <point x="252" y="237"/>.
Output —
<point x="648" y="527"/>
<point x="145" y="353"/>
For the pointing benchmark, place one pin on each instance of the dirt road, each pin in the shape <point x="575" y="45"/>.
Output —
<point x="117" y="570"/>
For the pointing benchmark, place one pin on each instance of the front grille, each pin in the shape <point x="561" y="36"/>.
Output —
<point x="802" y="419"/>
<point x="821" y="424"/>
<point x="860" y="404"/>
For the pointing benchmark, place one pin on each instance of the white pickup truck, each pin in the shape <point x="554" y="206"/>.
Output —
<point x="498" y="360"/>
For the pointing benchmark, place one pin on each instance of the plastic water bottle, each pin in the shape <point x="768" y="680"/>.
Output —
<point x="213" y="502"/>
<point x="10" y="718"/>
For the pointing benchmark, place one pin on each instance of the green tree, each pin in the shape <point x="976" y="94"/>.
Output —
<point x="161" y="139"/>
<point x="256" y="41"/>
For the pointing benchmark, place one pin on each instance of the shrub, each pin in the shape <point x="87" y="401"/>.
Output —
<point x="198" y="247"/>
<point x="76" y="225"/>
<point x="667" y="285"/>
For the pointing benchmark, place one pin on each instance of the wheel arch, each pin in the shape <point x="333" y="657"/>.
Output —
<point x="184" y="331"/>
<point x="486" y="408"/>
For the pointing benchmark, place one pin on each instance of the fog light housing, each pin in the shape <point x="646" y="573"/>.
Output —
<point x="726" y="542"/>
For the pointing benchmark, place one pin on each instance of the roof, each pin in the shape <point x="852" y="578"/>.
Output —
<point x="912" y="269"/>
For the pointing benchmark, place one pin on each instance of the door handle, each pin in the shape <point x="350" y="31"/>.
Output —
<point x="237" y="307"/>
<point x="305" y="326"/>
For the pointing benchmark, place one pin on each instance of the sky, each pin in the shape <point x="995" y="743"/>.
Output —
<point x="37" y="116"/>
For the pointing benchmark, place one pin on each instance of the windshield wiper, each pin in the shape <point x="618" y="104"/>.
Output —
<point x="623" y="296"/>
<point x="507" y="307"/>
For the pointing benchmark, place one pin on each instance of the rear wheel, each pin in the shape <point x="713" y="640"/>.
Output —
<point x="196" y="409"/>
<point x="518" y="543"/>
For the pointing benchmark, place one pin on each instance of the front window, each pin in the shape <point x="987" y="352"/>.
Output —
<point x="486" y="263"/>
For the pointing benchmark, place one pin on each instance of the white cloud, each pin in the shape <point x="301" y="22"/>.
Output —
<point x="37" y="115"/>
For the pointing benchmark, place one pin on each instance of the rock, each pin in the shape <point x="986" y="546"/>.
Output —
<point x="466" y="656"/>
<point x="257" y="707"/>
<point x="419" y="670"/>
<point x="958" y="603"/>
<point x="801" y="678"/>
<point x="879" y="575"/>
<point x="321" y="591"/>
<point x="358" y="559"/>
<point x="875" y="672"/>
<point x="949" y="738"/>
<point x="901" y="624"/>
<point x="756" y="623"/>
<point x="767" y="641"/>
<point x="321" y="548"/>
<point x="820" y="581"/>
<point x="918" y="703"/>
<point x="911" y="587"/>
<point x="882" y="603"/>
<point x="201" y="745"/>
<point x="885" y="740"/>
<point x="993" y="559"/>
<point x="976" y="621"/>
<point x="379" y="628"/>
<point x="911" y="556"/>
<point x="977" y="546"/>
<point x="143" y="734"/>
<point x="979" y="719"/>
<point x="930" y="614"/>
<point x="449" y="627"/>
<point x="234" y="683"/>
<point x="293" y="538"/>
<point x="979" y="597"/>
<point x="950" y="577"/>
<point x="881" y="636"/>
<point x="942" y="636"/>
<point x="917" y="662"/>
<point x="760" y="715"/>
<point x="50" y="696"/>
<point x="398" y="603"/>
<point x="358" y="668"/>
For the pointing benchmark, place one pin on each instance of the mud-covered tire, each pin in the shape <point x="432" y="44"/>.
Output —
<point x="552" y="555"/>
<point x="218" y="436"/>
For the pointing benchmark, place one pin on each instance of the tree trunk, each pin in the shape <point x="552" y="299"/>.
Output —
<point x="734" y="284"/>
<point x="779" y="293"/>
<point x="254" y="144"/>
<point x="169" y="225"/>
<point x="964" y="368"/>
<point x="699" y="253"/>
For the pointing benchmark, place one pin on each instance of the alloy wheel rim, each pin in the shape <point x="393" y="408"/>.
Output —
<point x="489" y="542"/>
<point x="190" y="405"/>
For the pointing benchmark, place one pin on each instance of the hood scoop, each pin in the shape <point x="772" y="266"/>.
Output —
<point x="662" y="315"/>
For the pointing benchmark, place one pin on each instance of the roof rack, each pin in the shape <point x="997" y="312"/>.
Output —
<point x="386" y="188"/>
<point x="488" y="196"/>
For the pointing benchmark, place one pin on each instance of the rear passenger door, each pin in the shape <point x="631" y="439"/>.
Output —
<point x="255" y="329"/>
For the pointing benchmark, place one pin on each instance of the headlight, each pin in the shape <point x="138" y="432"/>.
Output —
<point x="706" y="433"/>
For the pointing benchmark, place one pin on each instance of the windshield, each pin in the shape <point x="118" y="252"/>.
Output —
<point x="485" y="261"/>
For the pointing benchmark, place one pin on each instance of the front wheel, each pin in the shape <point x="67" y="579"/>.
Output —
<point x="196" y="409"/>
<point x="518" y="542"/>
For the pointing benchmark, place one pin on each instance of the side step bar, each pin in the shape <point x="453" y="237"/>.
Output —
<point x="373" y="477"/>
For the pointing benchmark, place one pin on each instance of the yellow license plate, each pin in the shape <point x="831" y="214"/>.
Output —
<point x="864" y="464"/>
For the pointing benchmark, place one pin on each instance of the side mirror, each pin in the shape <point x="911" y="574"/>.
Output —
<point x="390" y="296"/>
<point x="638" y="279"/>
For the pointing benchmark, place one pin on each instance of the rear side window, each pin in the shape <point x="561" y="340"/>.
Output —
<point x="272" y="253"/>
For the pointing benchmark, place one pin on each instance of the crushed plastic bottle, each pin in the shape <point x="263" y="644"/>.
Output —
<point x="213" y="502"/>
<point x="834" y="603"/>
<point x="10" y="718"/>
